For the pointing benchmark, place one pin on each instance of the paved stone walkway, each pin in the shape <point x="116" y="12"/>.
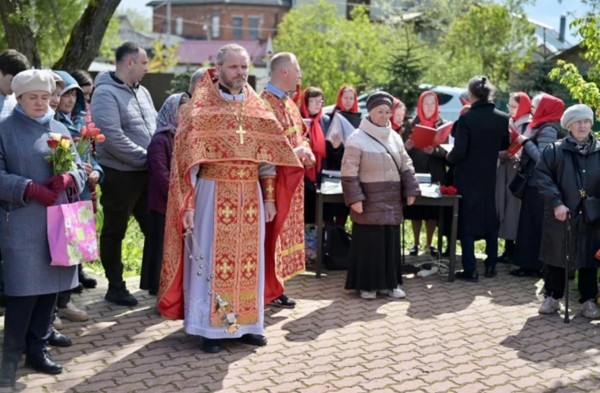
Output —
<point x="445" y="337"/>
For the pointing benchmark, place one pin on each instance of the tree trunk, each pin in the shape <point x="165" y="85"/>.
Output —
<point x="18" y="34"/>
<point x="86" y="35"/>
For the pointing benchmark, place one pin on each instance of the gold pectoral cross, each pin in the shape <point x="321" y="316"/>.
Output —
<point x="241" y="132"/>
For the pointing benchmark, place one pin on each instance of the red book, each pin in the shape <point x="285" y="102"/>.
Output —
<point x="424" y="136"/>
<point x="514" y="145"/>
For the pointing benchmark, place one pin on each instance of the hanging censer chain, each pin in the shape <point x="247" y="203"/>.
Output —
<point x="223" y="307"/>
<point x="194" y="254"/>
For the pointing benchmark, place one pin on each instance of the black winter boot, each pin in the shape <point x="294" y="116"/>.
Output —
<point x="85" y="280"/>
<point x="118" y="294"/>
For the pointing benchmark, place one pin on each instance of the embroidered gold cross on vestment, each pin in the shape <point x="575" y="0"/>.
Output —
<point x="241" y="132"/>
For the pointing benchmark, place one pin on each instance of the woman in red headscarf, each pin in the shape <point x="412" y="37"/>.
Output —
<point x="345" y="117"/>
<point x="543" y="130"/>
<point x="398" y="114"/>
<point x="519" y="109"/>
<point x="429" y="160"/>
<point x="311" y="109"/>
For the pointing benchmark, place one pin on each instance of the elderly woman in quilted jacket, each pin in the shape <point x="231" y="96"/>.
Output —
<point x="568" y="169"/>
<point x="377" y="175"/>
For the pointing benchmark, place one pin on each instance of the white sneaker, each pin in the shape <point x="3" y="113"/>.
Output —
<point x="550" y="305"/>
<point x="428" y="272"/>
<point x="369" y="295"/>
<point x="397" y="293"/>
<point x="57" y="323"/>
<point x="72" y="313"/>
<point x="590" y="310"/>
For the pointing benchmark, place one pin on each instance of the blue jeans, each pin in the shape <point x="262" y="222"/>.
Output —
<point x="467" y="244"/>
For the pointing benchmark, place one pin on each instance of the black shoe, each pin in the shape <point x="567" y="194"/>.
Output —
<point x="524" y="272"/>
<point x="490" y="272"/>
<point x="8" y="375"/>
<point x="413" y="251"/>
<point x="434" y="252"/>
<point x="77" y="289"/>
<point x="471" y="277"/>
<point x="57" y="339"/>
<point x="210" y="345"/>
<point x="284" y="302"/>
<point x="505" y="258"/>
<point x="254" y="339"/>
<point x="43" y="363"/>
<point x="119" y="294"/>
<point x="85" y="280"/>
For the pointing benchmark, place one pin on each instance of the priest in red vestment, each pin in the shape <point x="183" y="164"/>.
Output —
<point x="284" y="246"/>
<point x="232" y="167"/>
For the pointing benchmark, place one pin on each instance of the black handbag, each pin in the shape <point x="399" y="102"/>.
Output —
<point x="590" y="208"/>
<point x="590" y="205"/>
<point x="518" y="185"/>
<point x="336" y="244"/>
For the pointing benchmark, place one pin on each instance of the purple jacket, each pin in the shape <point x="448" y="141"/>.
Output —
<point x="160" y="152"/>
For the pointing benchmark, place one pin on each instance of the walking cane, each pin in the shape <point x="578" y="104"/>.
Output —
<point x="567" y="260"/>
<point x="401" y="246"/>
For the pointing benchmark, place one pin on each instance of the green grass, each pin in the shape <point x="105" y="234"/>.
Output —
<point x="133" y="246"/>
<point x="409" y="239"/>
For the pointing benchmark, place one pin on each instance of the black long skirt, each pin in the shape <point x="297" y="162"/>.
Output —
<point x="153" y="253"/>
<point x="529" y="234"/>
<point x="375" y="257"/>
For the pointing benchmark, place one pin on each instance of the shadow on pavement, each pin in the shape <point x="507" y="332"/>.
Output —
<point x="546" y="338"/>
<point x="174" y="362"/>
<point x="338" y="314"/>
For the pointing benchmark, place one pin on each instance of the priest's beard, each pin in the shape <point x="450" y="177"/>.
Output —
<point x="233" y="84"/>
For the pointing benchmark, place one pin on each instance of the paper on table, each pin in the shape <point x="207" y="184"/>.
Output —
<point x="331" y="186"/>
<point x="430" y="191"/>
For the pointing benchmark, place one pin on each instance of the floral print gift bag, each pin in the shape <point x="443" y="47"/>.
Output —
<point x="72" y="233"/>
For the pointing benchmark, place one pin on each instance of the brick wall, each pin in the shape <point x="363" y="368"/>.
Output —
<point x="197" y="21"/>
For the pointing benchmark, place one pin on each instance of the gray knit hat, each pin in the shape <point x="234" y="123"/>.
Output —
<point x="576" y="113"/>
<point x="33" y="80"/>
